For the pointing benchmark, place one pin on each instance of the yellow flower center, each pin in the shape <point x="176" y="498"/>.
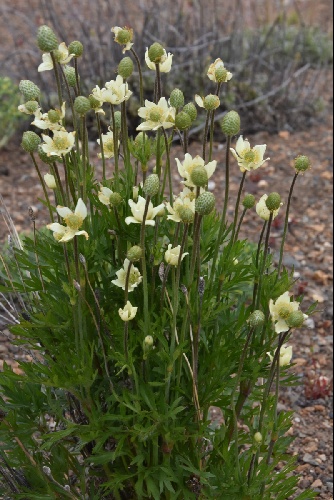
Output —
<point x="133" y="278"/>
<point x="155" y="115"/>
<point x="109" y="145"/>
<point x="285" y="310"/>
<point x="60" y="143"/>
<point x="73" y="221"/>
<point x="249" y="156"/>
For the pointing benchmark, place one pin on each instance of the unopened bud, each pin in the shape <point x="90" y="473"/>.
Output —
<point x="135" y="253"/>
<point x="302" y="163"/>
<point x="249" y="201"/>
<point x="258" y="437"/>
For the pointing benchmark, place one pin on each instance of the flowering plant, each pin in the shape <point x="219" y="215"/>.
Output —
<point x="117" y="398"/>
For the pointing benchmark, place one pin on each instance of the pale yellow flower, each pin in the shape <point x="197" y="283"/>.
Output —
<point x="73" y="221"/>
<point x="108" y="144"/>
<point x="62" y="56"/>
<point x="116" y="30"/>
<point x="165" y="64"/>
<point x="218" y="64"/>
<point x="186" y="199"/>
<point x="42" y="120"/>
<point x="135" y="278"/>
<point x="128" y="312"/>
<point x="138" y="210"/>
<point x="263" y="211"/>
<point x="104" y="195"/>
<point x="280" y="310"/>
<point x="172" y="255"/>
<point x="285" y="355"/>
<point x="248" y="158"/>
<point x="115" y="92"/>
<point x="60" y="144"/>
<point x="190" y="163"/>
<point x="50" y="181"/>
<point x="156" y="115"/>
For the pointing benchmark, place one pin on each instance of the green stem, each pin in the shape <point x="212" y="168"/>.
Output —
<point x="168" y="169"/>
<point x="56" y="72"/>
<point x="141" y="87"/>
<point x="43" y="186"/>
<point x="236" y="212"/>
<point x="205" y="135"/>
<point x="143" y="262"/>
<point x="158" y="82"/>
<point x="98" y="121"/>
<point x="77" y="77"/>
<point x="265" y="255"/>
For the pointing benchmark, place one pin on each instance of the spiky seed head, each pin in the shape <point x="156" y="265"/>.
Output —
<point x="134" y="253"/>
<point x="30" y="141"/>
<point x="46" y="39"/>
<point x="295" y="319"/>
<point x="257" y="318"/>
<point x="29" y="90"/>
<point x="115" y="199"/>
<point x="70" y="76"/>
<point x="151" y="186"/>
<point x="211" y="102"/>
<point x="125" y="67"/>
<point x="176" y="98"/>
<point x="302" y="163"/>
<point x="54" y="115"/>
<point x="94" y="103"/>
<point x="248" y="201"/>
<point x="273" y="202"/>
<point x="155" y="52"/>
<point x="230" y="124"/>
<point x="81" y="105"/>
<point x="221" y="74"/>
<point x="75" y="48"/>
<point x="205" y="203"/>
<point x="191" y="110"/>
<point x="182" y="121"/>
<point x="31" y="106"/>
<point x="186" y="215"/>
<point x="199" y="176"/>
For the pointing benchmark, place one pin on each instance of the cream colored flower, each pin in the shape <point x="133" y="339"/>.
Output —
<point x="218" y="65"/>
<point x="61" y="143"/>
<point x="128" y="312"/>
<point x="280" y="310"/>
<point x="156" y="115"/>
<point x="135" y="192"/>
<point x="285" y="355"/>
<point x="62" y="56"/>
<point x="117" y="30"/>
<point x="263" y="211"/>
<point x="114" y="92"/>
<point x="165" y="62"/>
<point x="73" y="221"/>
<point x="135" y="278"/>
<point x="209" y="102"/>
<point x="190" y="163"/>
<point x="172" y="255"/>
<point x="248" y="158"/>
<point x="108" y="144"/>
<point x="186" y="199"/>
<point x="43" y="122"/>
<point x="104" y="195"/>
<point x="24" y="109"/>
<point x="138" y="210"/>
<point x="50" y="181"/>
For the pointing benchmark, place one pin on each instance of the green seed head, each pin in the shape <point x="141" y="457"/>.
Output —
<point x="75" y="48"/>
<point x="155" y="52"/>
<point x="81" y="105"/>
<point x="221" y="74"/>
<point x="94" y="103"/>
<point x="295" y="319"/>
<point x="29" y="90"/>
<point x="151" y="186"/>
<point x="32" y="106"/>
<point x="125" y="67"/>
<point x="199" y="176"/>
<point x="30" y="141"/>
<point x="115" y="199"/>
<point x="249" y="201"/>
<point x="302" y="163"/>
<point x="54" y="115"/>
<point x="230" y="124"/>
<point x="211" y="102"/>
<point x="70" y="75"/>
<point x="176" y="98"/>
<point x="135" y="253"/>
<point x="191" y="110"/>
<point x="273" y="202"/>
<point x="186" y="215"/>
<point x="205" y="203"/>
<point x="256" y="319"/>
<point x="46" y="39"/>
<point x="182" y="121"/>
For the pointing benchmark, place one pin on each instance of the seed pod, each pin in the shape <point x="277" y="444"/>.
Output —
<point x="30" y="141"/>
<point x="29" y="90"/>
<point x="199" y="176"/>
<point x="155" y="52"/>
<point x="230" y="124"/>
<point x="273" y="202"/>
<point x="176" y="98"/>
<point x="125" y="67"/>
<point x="205" y="203"/>
<point x="182" y="121"/>
<point x="46" y="39"/>
<point x="256" y="319"/>
<point x="75" y="48"/>
<point x="249" y="201"/>
<point x="151" y="186"/>
<point x="81" y="105"/>
<point x="191" y="110"/>
<point x="302" y="163"/>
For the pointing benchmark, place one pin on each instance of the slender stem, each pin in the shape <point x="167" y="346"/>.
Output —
<point x="143" y="262"/>
<point x="185" y="141"/>
<point x="55" y="172"/>
<point x="56" y="72"/>
<point x="168" y="169"/>
<point x="236" y="212"/>
<point x="205" y="135"/>
<point x="196" y="246"/>
<point x="77" y="77"/>
<point x="286" y="222"/>
<point x="43" y="186"/>
<point x="265" y="254"/>
<point x="158" y="81"/>
<point x="98" y="121"/>
<point x="239" y="225"/>
<point x="141" y="88"/>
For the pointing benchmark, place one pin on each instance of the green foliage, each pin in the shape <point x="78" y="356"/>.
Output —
<point x="10" y="117"/>
<point x="129" y="357"/>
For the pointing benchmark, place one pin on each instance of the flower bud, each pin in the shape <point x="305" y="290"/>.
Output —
<point x="258" y="437"/>
<point x="147" y="345"/>
<point x="182" y="121"/>
<point x="29" y="90"/>
<point x="256" y="319"/>
<point x="155" y="52"/>
<point x="295" y="319"/>
<point x="75" y="48"/>
<point x="118" y="120"/>
<point x="134" y="253"/>
<point x="249" y="201"/>
<point x="199" y="176"/>
<point x="81" y="105"/>
<point x="30" y="141"/>
<point x="302" y="163"/>
<point x="54" y="116"/>
<point x="191" y="110"/>
<point x="125" y="67"/>
<point x="186" y="215"/>
<point x="128" y="313"/>
<point x="50" y="181"/>
<point x="135" y="193"/>
<point x="151" y="186"/>
<point x="149" y="340"/>
<point x="46" y="39"/>
<point x="230" y="124"/>
<point x="205" y="203"/>
<point x="273" y="202"/>
<point x="115" y="199"/>
<point x="70" y="75"/>
<point x="176" y="98"/>
<point x="211" y="102"/>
